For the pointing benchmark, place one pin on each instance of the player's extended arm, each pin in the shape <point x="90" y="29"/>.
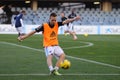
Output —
<point x="70" y="20"/>
<point x="26" y="36"/>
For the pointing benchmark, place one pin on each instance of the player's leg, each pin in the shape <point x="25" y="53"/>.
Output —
<point x="57" y="66"/>
<point x="73" y="35"/>
<point x="49" y="56"/>
<point x="23" y="30"/>
<point x="60" y="59"/>
<point x="66" y="30"/>
<point x="72" y="32"/>
<point x="59" y="54"/>
<point x="18" y="30"/>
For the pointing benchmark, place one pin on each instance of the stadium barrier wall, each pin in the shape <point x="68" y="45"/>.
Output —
<point x="79" y="29"/>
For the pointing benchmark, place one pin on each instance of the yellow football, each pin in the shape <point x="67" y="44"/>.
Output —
<point x="86" y="34"/>
<point x="65" y="64"/>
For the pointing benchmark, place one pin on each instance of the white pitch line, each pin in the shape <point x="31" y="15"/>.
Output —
<point x="88" y="45"/>
<point x="95" y="62"/>
<point x="24" y="74"/>
<point x="82" y="59"/>
<point x="22" y="46"/>
<point x="41" y="74"/>
<point x="93" y="74"/>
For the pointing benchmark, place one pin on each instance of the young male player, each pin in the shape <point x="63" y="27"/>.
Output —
<point x="50" y="41"/>
<point x="19" y="23"/>
<point x="67" y="27"/>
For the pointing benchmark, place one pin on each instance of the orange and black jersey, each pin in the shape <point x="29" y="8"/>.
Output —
<point x="41" y="28"/>
<point x="50" y="33"/>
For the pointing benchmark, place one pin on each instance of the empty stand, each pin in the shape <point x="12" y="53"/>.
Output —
<point x="88" y="16"/>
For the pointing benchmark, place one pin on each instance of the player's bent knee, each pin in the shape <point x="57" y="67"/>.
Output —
<point x="62" y="55"/>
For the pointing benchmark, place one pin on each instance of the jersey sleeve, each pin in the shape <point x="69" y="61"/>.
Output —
<point x="63" y="19"/>
<point x="69" y="16"/>
<point x="38" y="29"/>
<point x="60" y="24"/>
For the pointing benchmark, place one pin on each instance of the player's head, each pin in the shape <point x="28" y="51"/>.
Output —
<point x="62" y="14"/>
<point x="53" y="18"/>
<point x="23" y="11"/>
<point x="73" y="10"/>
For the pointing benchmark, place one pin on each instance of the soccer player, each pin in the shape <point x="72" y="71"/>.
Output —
<point x="19" y="23"/>
<point x="50" y="41"/>
<point x="67" y="27"/>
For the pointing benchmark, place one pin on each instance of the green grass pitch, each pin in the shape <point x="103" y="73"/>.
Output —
<point x="96" y="57"/>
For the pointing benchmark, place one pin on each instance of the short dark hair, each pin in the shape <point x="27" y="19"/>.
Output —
<point x="22" y="11"/>
<point x="63" y="12"/>
<point x="53" y="14"/>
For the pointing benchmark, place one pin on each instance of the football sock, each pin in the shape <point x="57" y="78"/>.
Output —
<point x="56" y="68"/>
<point x="50" y="68"/>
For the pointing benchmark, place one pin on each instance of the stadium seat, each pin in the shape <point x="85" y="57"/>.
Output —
<point x="88" y="16"/>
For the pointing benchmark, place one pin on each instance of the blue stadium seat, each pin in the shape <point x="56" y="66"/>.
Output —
<point x="88" y="16"/>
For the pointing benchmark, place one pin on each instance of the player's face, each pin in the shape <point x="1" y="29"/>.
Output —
<point x="62" y="14"/>
<point x="53" y="20"/>
<point x="24" y="13"/>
